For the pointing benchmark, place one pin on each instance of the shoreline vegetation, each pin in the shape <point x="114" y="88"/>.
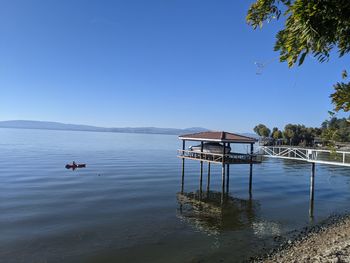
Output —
<point x="333" y="134"/>
<point x="328" y="241"/>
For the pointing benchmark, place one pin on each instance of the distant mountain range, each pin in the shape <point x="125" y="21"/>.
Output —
<point x="47" y="125"/>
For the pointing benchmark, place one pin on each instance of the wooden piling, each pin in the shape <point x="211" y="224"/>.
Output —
<point x="223" y="168"/>
<point x="223" y="175"/>
<point x="201" y="172"/>
<point x="250" y="178"/>
<point x="223" y="178"/>
<point x="311" y="210"/>
<point x="312" y="192"/>
<point x="312" y="183"/>
<point x="183" y="168"/>
<point x="208" y="178"/>
<point x="251" y="168"/>
<point x="227" y="177"/>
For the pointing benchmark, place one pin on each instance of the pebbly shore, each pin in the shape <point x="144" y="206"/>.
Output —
<point x="325" y="242"/>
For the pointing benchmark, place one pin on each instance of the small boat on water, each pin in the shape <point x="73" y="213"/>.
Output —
<point x="75" y="165"/>
<point x="211" y="147"/>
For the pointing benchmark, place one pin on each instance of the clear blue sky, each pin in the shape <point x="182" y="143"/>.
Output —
<point x="173" y="63"/>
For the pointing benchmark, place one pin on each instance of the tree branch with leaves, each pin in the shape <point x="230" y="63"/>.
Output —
<point x="311" y="27"/>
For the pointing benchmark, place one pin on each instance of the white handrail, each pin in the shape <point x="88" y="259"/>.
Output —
<point x="306" y="154"/>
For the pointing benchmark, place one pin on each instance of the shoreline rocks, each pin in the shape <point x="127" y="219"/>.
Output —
<point x="328" y="241"/>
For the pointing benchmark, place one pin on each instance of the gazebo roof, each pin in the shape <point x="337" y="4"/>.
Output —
<point x="217" y="136"/>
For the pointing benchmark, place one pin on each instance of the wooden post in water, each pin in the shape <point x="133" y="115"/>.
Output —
<point x="251" y="151"/>
<point x="208" y="178"/>
<point x="251" y="168"/>
<point x="250" y="178"/>
<point x="312" y="190"/>
<point x="223" y="183"/>
<point x="183" y="167"/>
<point x="223" y="168"/>
<point x="201" y="176"/>
<point x="227" y="171"/>
<point x="227" y="177"/>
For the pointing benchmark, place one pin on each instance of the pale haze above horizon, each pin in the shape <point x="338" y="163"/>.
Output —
<point x="155" y="63"/>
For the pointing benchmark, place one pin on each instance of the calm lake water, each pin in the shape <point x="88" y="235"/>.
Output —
<point x="125" y="207"/>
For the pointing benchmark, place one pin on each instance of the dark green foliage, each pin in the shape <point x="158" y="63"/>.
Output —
<point x="311" y="27"/>
<point x="341" y="96"/>
<point x="331" y="131"/>
<point x="296" y="134"/>
<point x="336" y="130"/>
<point x="276" y="134"/>
<point x="262" y="130"/>
<point x="293" y="134"/>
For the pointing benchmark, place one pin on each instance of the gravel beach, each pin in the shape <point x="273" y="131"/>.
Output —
<point x="327" y="243"/>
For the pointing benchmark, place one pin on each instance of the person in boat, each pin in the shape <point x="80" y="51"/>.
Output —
<point x="74" y="165"/>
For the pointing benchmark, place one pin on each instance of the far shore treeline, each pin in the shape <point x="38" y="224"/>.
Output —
<point x="331" y="133"/>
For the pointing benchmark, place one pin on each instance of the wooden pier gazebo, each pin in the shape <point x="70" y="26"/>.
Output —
<point x="225" y="158"/>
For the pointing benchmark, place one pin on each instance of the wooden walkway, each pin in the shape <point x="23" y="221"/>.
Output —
<point x="339" y="158"/>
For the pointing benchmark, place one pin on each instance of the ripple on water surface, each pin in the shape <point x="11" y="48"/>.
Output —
<point x="125" y="206"/>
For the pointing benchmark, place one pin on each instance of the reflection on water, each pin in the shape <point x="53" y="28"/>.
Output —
<point x="207" y="213"/>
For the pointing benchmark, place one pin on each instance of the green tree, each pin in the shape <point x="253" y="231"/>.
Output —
<point x="341" y="96"/>
<point x="276" y="134"/>
<point x="296" y="134"/>
<point x="262" y="130"/>
<point x="289" y="133"/>
<point x="307" y="135"/>
<point x="311" y="27"/>
<point x="274" y="129"/>
<point x="336" y="130"/>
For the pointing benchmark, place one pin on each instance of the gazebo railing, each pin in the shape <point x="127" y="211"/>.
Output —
<point x="216" y="157"/>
